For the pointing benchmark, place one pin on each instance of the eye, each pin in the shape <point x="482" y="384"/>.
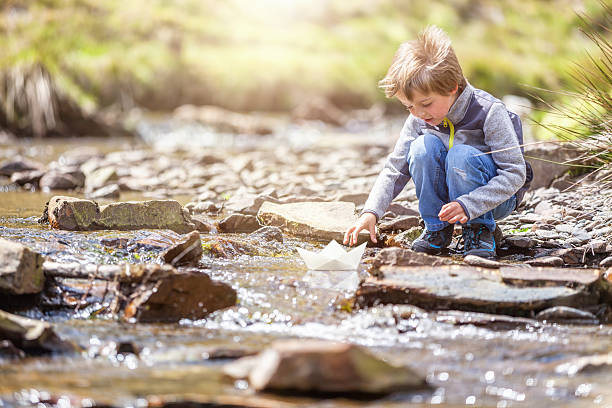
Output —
<point x="425" y="105"/>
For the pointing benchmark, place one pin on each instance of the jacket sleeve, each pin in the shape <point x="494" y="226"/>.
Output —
<point x="506" y="153"/>
<point x="394" y="175"/>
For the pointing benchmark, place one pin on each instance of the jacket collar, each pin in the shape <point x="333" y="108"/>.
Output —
<point x="457" y="111"/>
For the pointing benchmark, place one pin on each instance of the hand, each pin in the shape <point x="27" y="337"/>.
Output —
<point x="453" y="212"/>
<point x="366" y="221"/>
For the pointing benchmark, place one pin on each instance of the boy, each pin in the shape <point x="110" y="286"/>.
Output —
<point x="460" y="146"/>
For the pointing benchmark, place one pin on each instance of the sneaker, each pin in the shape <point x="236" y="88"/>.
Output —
<point x="433" y="242"/>
<point x="479" y="241"/>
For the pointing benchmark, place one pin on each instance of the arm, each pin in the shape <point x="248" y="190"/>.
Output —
<point x="499" y="135"/>
<point x="394" y="175"/>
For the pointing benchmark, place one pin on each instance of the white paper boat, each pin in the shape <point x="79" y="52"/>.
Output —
<point x="333" y="258"/>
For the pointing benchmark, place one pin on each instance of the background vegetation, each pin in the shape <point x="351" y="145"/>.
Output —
<point x="270" y="54"/>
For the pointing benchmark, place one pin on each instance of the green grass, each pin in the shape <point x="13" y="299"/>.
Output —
<point x="270" y="54"/>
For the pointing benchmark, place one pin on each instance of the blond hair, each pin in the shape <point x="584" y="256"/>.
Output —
<point x="427" y="64"/>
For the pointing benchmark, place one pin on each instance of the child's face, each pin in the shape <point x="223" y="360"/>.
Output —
<point x="431" y="107"/>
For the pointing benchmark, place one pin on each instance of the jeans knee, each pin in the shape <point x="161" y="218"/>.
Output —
<point x="463" y="157"/>
<point x="426" y="146"/>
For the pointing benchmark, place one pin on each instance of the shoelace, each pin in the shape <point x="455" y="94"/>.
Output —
<point x="431" y="235"/>
<point x="470" y="239"/>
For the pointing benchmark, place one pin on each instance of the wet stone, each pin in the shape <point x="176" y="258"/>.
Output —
<point x="187" y="251"/>
<point x="491" y="321"/>
<point x="239" y="223"/>
<point x="565" y="314"/>
<point x="471" y="289"/>
<point x="31" y="335"/>
<point x="189" y="295"/>
<point x="20" y="269"/>
<point x="307" y="366"/>
<point x="268" y="234"/>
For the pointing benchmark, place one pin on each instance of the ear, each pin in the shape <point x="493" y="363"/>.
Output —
<point x="455" y="89"/>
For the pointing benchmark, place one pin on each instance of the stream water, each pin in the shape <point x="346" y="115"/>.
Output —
<point x="467" y="365"/>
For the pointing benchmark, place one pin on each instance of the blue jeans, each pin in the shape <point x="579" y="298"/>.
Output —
<point x="441" y="176"/>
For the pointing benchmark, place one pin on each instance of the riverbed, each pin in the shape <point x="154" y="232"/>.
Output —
<point x="466" y="364"/>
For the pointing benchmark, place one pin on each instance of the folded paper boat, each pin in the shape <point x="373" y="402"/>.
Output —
<point x="333" y="258"/>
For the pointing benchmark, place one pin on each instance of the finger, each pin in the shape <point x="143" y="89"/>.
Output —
<point x="347" y="235"/>
<point x="463" y="220"/>
<point x="373" y="235"/>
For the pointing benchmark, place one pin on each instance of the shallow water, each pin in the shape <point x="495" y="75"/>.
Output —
<point x="467" y="365"/>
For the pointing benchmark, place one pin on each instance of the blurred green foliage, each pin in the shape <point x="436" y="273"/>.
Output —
<point x="269" y="54"/>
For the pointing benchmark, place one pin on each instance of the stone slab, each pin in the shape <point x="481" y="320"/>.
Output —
<point x="466" y="288"/>
<point x="316" y="220"/>
<point x="75" y="214"/>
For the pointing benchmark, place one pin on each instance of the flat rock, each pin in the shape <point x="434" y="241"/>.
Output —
<point x="466" y="288"/>
<point x="546" y="261"/>
<point x="75" y="214"/>
<point x="316" y="220"/>
<point x="547" y="276"/>
<point x="491" y="321"/>
<point x="190" y="295"/>
<point x="20" y="269"/>
<point x="187" y="251"/>
<point x="406" y="257"/>
<point x="321" y="366"/>
<point x="31" y="335"/>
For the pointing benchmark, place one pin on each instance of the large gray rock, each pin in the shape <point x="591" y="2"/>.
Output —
<point x="513" y="291"/>
<point x="30" y="335"/>
<point x="316" y="220"/>
<point x="77" y="214"/>
<point x="323" y="366"/>
<point x="550" y="167"/>
<point x="20" y="269"/>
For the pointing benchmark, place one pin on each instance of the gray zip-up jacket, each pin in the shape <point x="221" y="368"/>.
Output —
<point x="480" y="120"/>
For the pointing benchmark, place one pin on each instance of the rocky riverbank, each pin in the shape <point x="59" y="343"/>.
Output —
<point x="242" y="214"/>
